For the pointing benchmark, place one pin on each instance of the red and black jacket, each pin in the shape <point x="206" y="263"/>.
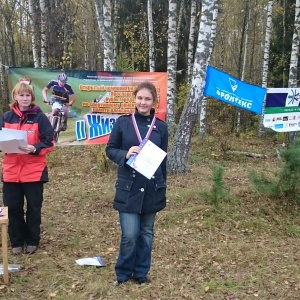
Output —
<point x="28" y="167"/>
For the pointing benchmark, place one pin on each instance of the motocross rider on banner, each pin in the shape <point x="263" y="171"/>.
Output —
<point x="62" y="96"/>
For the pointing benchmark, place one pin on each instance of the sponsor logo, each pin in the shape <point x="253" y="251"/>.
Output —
<point x="278" y="126"/>
<point x="233" y="84"/>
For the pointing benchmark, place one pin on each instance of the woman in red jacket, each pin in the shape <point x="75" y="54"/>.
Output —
<point x="24" y="174"/>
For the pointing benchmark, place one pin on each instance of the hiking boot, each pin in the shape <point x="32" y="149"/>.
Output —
<point x="142" y="280"/>
<point x="17" y="250"/>
<point x="31" y="249"/>
<point x="120" y="282"/>
<point x="63" y="127"/>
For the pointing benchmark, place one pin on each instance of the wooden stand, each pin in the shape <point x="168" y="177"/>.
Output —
<point x="4" y="223"/>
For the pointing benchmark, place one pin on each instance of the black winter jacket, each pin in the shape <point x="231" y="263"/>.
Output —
<point x="134" y="192"/>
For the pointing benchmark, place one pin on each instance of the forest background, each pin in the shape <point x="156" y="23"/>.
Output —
<point x="243" y="245"/>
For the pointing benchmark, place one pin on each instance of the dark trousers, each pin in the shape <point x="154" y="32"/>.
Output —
<point x="23" y="231"/>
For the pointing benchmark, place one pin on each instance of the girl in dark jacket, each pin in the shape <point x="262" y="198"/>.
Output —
<point x="23" y="174"/>
<point x="137" y="198"/>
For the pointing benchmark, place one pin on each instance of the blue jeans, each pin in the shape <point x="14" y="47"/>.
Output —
<point x="136" y="245"/>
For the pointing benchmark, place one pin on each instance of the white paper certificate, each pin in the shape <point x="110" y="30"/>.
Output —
<point x="11" y="139"/>
<point x="148" y="160"/>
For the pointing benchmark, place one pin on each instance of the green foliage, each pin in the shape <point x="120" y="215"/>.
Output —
<point x="218" y="191"/>
<point x="262" y="184"/>
<point x="124" y="63"/>
<point x="280" y="50"/>
<point x="293" y="231"/>
<point x="289" y="180"/>
<point x="183" y="92"/>
<point x="99" y="158"/>
<point x="287" y="183"/>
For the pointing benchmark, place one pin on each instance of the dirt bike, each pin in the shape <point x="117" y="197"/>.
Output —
<point x="58" y="118"/>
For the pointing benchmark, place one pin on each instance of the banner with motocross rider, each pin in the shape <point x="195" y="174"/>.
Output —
<point x="84" y="105"/>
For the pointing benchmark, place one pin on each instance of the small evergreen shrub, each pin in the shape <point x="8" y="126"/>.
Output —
<point x="218" y="192"/>
<point x="287" y="182"/>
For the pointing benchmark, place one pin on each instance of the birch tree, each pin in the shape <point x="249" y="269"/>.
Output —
<point x="178" y="157"/>
<point x="191" y="39"/>
<point x="100" y="19"/>
<point x="43" y="34"/>
<point x="107" y="33"/>
<point x="172" y="64"/>
<point x="32" y="18"/>
<point x="248" y="9"/>
<point x="213" y="32"/>
<point x="295" y="48"/>
<point x="294" y="57"/>
<point x="261" y="129"/>
<point x="151" y="37"/>
<point x="115" y="33"/>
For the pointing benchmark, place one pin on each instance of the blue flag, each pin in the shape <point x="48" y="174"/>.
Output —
<point x="227" y="88"/>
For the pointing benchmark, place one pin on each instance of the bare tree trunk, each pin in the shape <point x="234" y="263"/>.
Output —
<point x="178" y="157"/>
<point x="85" y="37"/>
<point x="108" y="48"/>
<point x="261" y="129"/>
<point x="295" y="48"/>
<point x="284" y="39"/>
<point x="44" y="57"/>
<point x="202" y="127"/>
<point x="238" y="121"/>
<point x="100" y="21"/>
<point x="294" y="57"/>
<point x="172" y="65"/>
<point x="151" y="37"/>
<point x="180" y="14"/>
<point x="192" y="39"/>
<point x="115" y="34"/>
<point x="33" y="34"/>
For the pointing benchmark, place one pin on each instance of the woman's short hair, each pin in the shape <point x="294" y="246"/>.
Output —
<point x="22" y="87"/>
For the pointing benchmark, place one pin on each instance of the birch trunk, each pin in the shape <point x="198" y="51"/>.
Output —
<point x="294" y="57"/>
<point x="33" y="34"/>
<point x="261" y="129"/>
<point x="202" y="122"/>
<point x="151" y="37"/>
<point x="43" y="34"/>
<point x="115" y="34"/>
<point x="295" y="48"/>
<point x="238" y="121"/>
<point x="178" y="157"/>
<point x="191" y="39"/>
<point x="172" y="65"/>
<point x="100" y="21"/>
<point x="108" y="48"/>
<point x="85" y="37"/>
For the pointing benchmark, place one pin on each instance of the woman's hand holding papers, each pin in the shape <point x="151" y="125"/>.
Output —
<point x="28" y="149"/>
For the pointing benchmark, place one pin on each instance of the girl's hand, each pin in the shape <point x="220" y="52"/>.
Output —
<point x="133" y="150"/>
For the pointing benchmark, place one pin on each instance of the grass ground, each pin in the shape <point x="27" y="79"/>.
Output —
<point x="247" y="249"/>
